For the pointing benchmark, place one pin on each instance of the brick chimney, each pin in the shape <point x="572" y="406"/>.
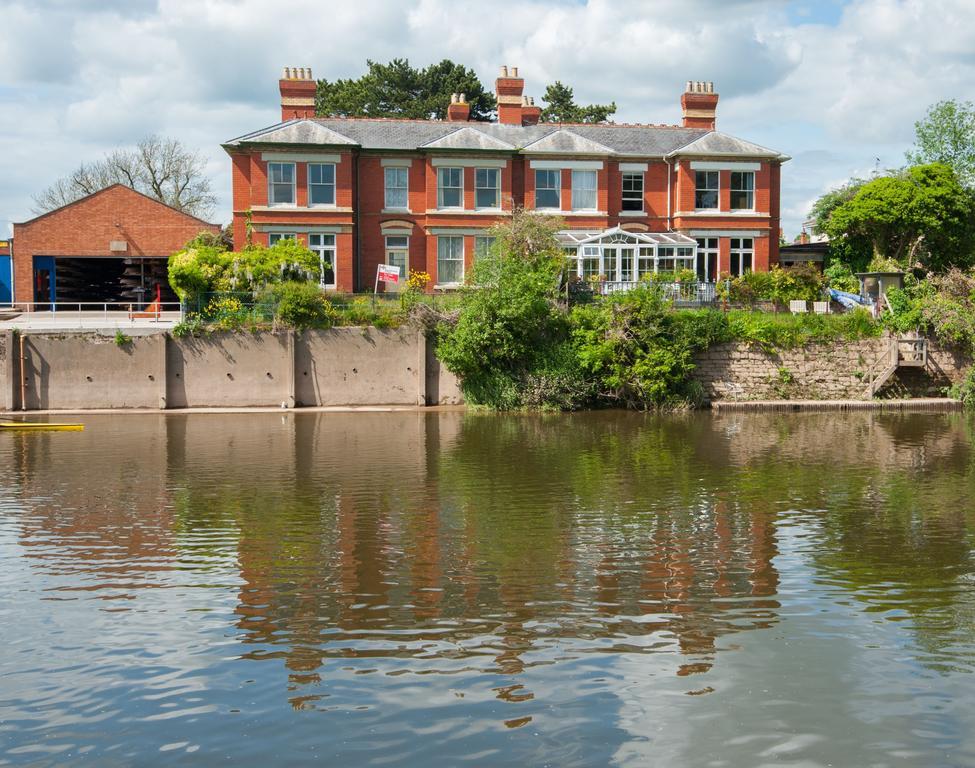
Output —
<point x="508" y="88"/>
<point x="699" y="104"/>
<point x="297" y="93"/>
<point x="458" y="111"/>
<point x="530" y="114"/>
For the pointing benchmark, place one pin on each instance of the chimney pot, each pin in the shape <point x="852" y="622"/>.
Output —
<point x="504" y="70"/>
<point x="514" y="71"/>
<point x="463" y="98"/>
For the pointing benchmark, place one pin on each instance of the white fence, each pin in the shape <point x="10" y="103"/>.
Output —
<point x="681" y="292"/>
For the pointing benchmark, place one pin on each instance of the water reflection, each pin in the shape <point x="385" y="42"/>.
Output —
<point x="470" y="584"/>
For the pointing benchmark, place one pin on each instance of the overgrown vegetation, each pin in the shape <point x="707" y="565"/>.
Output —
<point x="516" y="344"/>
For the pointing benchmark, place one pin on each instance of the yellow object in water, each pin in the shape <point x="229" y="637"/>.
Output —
<point x="39" y="426"/>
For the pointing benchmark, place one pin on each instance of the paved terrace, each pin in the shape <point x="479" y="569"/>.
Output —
<point x="95" y="321"/>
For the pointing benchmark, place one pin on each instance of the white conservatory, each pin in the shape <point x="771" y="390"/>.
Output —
<point x="619" y="259"/>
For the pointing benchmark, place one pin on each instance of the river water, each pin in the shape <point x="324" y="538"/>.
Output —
<point x="441" y="589"/>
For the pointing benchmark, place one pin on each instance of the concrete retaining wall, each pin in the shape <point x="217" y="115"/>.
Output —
<point x="830" y="371"/>
<point x="341" y="366"/>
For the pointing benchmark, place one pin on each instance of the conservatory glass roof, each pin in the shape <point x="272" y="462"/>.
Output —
<point x="617" y="235"/>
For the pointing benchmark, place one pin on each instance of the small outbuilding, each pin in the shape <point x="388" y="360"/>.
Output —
<point x="111" y="246"/>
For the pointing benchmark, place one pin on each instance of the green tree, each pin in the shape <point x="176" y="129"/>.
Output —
<point x="560" y="107"/>
<point x="398" y="89"/>
<point x="947" y="135"/>
<point x="853" y="251"/>
<point x="919" y="216"/>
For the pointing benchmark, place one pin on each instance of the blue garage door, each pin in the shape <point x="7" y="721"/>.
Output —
<point x="6" y="281"/>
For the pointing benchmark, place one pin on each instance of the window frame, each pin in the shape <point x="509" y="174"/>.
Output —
<point x="496" y="188"/>
<point x="739" y="252"/>
<point x="623" y="190"/>
<point x="594" y="191"/>
<point x="312" y="184"/>
<point x="440" y="240"/>
<point x="279" y="236"/>
<point x="441" y="172"/>
<point x="708" y="253"/>
<point x="747" y="190"/>
<point x="321" y="248"/>
<point x="707" y="189"/>
<point x="481" y="250"/>
<point x="271" y="183"/>
<point x="557" y="189"/>
<point x="399" y="169"/>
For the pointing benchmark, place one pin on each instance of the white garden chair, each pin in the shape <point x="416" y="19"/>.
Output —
<point x="821" y="307"/>
<point x="798" y="307"/>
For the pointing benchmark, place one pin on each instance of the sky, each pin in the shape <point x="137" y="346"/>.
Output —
<point x="835" y="84"/>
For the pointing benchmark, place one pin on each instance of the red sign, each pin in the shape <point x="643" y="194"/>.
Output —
<point x="388" y="273"/>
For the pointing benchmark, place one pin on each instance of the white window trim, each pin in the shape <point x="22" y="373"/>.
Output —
<point x="299" y="157"/>
<point x="732" y="190"/>
<point x="320" y="251"/>
<point x="463" y="259"/>
<point x="701" y="165"/>
<point x="397" y="249"/>
<point x="396" y="209"/>
<point x="643" y="189"/>
<point x="294" y="185"/>
<point x="569" y="165"/>
<point x="594" y="190"/>
<point x="335" y="186"/>
<point x="467" y="162"/>
<point x="717" y="207"/>
<point x="740" y="252"/>
<point x="281" y="236"/>
<point x="558" y="189"/>
<point x="440" y="205"/>
<point x="497" y="206"/>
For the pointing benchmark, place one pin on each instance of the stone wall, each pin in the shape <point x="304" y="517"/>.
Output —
<point x="340" y="366"/>
<point x="823" y="371"/>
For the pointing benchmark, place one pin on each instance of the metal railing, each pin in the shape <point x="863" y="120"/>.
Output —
<point x="110" y="312"/>
<point x="682" y="292"/>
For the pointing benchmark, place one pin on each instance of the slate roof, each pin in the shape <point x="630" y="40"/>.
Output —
<point x="412" y="135"/>
<point x="468" y="138"/>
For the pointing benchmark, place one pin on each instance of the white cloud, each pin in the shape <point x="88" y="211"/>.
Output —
<point x="79" y="78"/>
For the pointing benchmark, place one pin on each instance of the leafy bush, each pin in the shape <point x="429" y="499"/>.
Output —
<point x="640" y="350"/>
<point x="201" y="269"/>
<point x="193" y="325"/>
<point x="803" y="282"/>
<point x="226" y="313"/>
<point x="840" y="277"/>
<point x="302" y="305"/>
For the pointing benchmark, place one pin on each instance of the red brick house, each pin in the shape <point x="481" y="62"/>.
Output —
<point x="111" y="246"/>
<point x="422" y="194"/>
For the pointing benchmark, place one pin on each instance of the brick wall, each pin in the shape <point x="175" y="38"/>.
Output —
<point x="365" y="173"/>
<point x="86" y="227"/>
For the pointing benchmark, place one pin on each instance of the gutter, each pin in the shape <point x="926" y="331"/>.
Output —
<point x="357" y="242"/>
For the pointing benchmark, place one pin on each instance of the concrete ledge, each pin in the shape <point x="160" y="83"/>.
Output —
<point x="914" y="404"/>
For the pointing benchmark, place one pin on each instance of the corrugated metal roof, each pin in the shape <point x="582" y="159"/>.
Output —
<point x="619" y="140"/>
